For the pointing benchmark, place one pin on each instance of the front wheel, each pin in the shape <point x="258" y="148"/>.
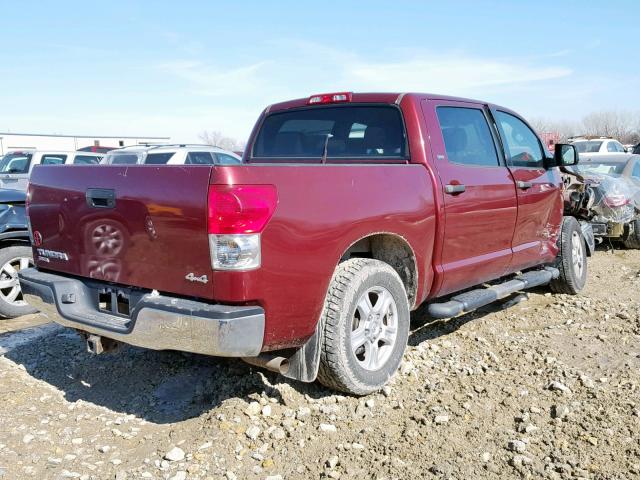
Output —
<point x="12" y="260"/>
<point x="571" y="259"/>
<point x="365" y="327"/>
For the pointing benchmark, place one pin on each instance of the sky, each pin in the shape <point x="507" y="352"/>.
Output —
<point x="179" y="68"/>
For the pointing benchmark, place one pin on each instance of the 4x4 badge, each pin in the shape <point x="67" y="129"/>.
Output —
<point x="192" y="278"/>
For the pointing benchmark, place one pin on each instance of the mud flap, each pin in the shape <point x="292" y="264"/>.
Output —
<point x="305" y="362"/>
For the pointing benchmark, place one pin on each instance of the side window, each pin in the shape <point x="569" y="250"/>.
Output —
<point x="158" y="158"/>
<point x="53" y="159"/>
<point x="521" y="144"/>
<point x="225" y="159"/>
<point x="467" y="138"/>
<point x="612" y="147"/>
<point x="620" y="147"/>
<point x="636" y="171"/>
<point x="86" y="160"/>
<point x="199" y="158"/>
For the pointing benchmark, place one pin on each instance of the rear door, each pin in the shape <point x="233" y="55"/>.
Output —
<point x="137" y="225"/>
<point x="479" y="195"/>
<point x="539" y="191"/>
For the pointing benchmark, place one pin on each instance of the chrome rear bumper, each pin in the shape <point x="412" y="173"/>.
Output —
<point x="156" y="322"/>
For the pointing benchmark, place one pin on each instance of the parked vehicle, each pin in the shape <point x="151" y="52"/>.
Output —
<point x="352" y="210"/>
<point x="636" y="149"/>
<point x="15" y="253"/>
<point x="614" y="185"/>
<point x="180" y="154"/>
<point x="16" y="166"/>
<point x="597" y="145"/>
<point x="96" y="149"/>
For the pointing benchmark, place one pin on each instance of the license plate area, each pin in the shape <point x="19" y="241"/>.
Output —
<point x="115" y="301"/>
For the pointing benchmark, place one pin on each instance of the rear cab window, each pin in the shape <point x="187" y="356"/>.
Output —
<point x="359" y="132"/>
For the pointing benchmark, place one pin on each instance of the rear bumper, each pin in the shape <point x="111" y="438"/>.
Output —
<point x="155" y="321"/>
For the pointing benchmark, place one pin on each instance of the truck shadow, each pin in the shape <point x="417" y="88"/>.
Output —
<point x="167" y="387"/>
<point x="160" y="387"/>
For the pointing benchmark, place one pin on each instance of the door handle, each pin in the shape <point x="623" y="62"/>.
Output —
<point x="452" y="189"/>
<point x="524" y="185"/>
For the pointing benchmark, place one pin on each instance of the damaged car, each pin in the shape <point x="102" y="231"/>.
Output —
<point x="612" y="203"/>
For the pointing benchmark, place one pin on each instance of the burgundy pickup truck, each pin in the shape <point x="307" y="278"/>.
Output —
<point x="349" y="211"/>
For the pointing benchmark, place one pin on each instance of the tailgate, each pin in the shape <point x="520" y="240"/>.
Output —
<point x="136" y="225"/>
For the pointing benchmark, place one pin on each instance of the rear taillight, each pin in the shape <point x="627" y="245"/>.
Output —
<point x="330" y="98"/>
<point x="237" y="214"/>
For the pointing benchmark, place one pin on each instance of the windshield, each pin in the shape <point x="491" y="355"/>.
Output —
<point x="17" y="162"/>
<point x="600" y="168"/>
<point x="346" y="131"/>
<point x="588" y="146"/>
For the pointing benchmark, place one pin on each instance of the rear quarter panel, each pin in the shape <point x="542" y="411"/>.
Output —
<point x="321" y="211"/>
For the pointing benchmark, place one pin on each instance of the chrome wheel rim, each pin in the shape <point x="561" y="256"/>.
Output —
<point x="374" y="328"/>
<point x="107" y="240"/>
<point x="10" y="290"/>
<point x="576" y="254"/>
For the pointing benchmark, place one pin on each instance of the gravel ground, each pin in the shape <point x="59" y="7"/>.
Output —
<point x="547" y="387"/>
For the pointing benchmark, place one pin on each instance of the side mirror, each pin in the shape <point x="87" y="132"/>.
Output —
<point x="565" y="155"/>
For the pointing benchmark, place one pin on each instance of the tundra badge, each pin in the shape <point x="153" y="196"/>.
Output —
<point x="192" y="278"/>
<point x="45" y="253"/>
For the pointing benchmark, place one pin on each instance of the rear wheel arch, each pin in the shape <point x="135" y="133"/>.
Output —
<point x="392" y="249"/>
<point x="388" y="248"/>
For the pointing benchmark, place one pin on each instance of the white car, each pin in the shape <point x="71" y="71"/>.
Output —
<point x="597" y="145"/>
<point x="180" y="154"/>
<point x="16" y="166"/>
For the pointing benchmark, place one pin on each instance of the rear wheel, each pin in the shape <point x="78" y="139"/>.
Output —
<point x="365" y="327"/>
<point x="571" y="260"/>
<point x="12" y="260"/>
<point x="632" y="235"/>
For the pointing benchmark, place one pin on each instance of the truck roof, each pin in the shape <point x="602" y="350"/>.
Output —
<point x="371" y="97"/>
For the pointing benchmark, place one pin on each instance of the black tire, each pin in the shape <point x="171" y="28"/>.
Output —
<point x="11" y="255"/>
<point x="572" y="279"/>
<point x="632" y="235"/>
<point x="342" y="368"/>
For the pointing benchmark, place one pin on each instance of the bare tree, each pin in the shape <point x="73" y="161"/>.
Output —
<point x="218" y="139"/>
<point x="622" y="125"/>
<point x="563" y="129"/>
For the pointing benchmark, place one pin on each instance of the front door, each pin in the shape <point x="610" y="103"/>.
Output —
<point x="479" y="196"/>
<point x="540" y="202"/>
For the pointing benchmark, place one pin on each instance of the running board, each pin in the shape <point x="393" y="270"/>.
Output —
<point x="474" y="299"/>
